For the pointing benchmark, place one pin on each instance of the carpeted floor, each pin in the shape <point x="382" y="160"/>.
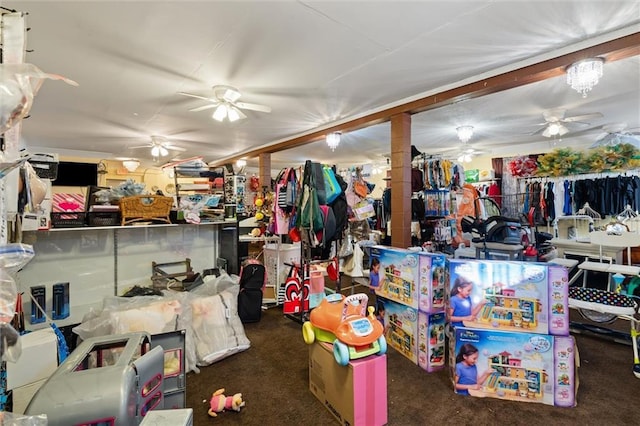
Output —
<point x="273" y="378"/>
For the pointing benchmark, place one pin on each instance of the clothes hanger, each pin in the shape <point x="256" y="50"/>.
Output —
<point x="588" y="211"/>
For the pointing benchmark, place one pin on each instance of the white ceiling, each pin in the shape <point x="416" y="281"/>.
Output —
<point x="315" y="63"/>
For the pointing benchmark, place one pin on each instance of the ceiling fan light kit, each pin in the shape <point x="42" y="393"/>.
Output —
<point x="159" y="151"/>
<point x="583" y="75"/>
<point x="465" y="158"/>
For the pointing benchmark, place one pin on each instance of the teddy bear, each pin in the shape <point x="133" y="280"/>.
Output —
<point x="219" y="402"/>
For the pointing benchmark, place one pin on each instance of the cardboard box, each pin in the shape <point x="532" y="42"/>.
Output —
<point x="38" y="360"/>
<point x="524" y="367"/>
<point x="516" y="296"/>
<point x="413" y="278"/>
<point x="415" y="334"/>
<point x="356" y="394"/>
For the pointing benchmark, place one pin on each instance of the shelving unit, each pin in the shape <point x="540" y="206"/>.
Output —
<point x="234" y="191"/>
<point x="188" y="183"/>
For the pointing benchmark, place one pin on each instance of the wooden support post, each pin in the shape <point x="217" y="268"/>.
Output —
<point x="401" y="180"/>
<point x="264" y="173"/>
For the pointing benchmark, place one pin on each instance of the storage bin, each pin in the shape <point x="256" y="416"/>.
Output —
<point x="104" y="218"/>
<point x="45" y="165"/>
<point x="68" y="219"/>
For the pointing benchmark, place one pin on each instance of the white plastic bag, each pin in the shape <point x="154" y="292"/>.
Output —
<point x="352" y="265"/>
<point x="19" y="84"/>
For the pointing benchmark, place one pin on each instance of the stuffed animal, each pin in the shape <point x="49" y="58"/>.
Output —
<point x="220" y="403"/>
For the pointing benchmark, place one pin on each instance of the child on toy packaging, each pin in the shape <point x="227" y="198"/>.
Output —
<point x="466" y="375"/>
<point x="380" y="312"/>
<point x="460" y="306"/>
<point x="374" y="274"/>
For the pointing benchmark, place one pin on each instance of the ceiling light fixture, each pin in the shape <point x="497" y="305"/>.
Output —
<point x="159" y="151"/>
<point x="585" y="74"/>
<point x="220" y="112"/>
<point x="131" y="165"/>
<point x="465" y="133"/>
<point x="333" y="140"/>
<point x="464" y="158"/>
<point x="233" y="114"/>
<point x="554" y="129"/>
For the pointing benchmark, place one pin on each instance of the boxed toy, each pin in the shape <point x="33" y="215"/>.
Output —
<point x="518" y="366"/>
<point x="413" y="278"/>
<point x="356" y="394"/>
<point x="512" y="296"/>
<point x="415" y="334"/>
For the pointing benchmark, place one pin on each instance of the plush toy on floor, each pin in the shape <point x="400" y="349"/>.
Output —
<point x="220" y="403"/>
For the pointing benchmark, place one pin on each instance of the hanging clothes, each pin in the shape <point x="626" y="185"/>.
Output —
<point x="494" y="193"/>
<point x="549" y="198"/>
<point x="527" y="196"/>
<point x="568" y="198"/>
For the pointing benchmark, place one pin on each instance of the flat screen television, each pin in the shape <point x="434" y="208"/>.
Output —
<point x="76" y="174"/>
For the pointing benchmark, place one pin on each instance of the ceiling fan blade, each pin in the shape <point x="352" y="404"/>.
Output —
<point x="253" y="107"/>
<point x="539" y="131"/>
<point x="139" y="146"/>
<point x="576" y="118"/>
<point x="202" y="108"/>
<point x="196" y="96"/>
<point x="174" y="148"/>
<point x="554" y="114"/>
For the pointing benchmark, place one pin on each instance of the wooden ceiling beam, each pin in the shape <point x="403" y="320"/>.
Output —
<point x="613" y="50"/>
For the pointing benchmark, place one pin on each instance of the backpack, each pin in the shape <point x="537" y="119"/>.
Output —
<point x="329" y="230"/>
<point x="252" y="280"/>
<point x="331" y="185"/>
<point x="340" y="209"/>
<point x="286" y="189"/>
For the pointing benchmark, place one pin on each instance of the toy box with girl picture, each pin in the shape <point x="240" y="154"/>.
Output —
<point x="510" y="296"/>
<point x="412" y="278"/>
<point x="517" y="366"/>
<point x="417" y="335"/>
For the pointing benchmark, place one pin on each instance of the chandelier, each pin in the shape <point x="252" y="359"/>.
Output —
<point x="583" y="75"/>
<point x="465" y="133"/>
<point x="333" y="140"/>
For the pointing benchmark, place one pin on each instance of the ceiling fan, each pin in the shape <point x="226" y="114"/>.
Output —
<point x="159" y="146"/>
<point x="557" y="124"/>
<point x="465" y="154"/>
<point x="616" y="134"/>
<point x="226" y="102"/>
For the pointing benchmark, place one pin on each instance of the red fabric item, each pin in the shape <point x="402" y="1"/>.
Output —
<point x="494" y="193"/>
